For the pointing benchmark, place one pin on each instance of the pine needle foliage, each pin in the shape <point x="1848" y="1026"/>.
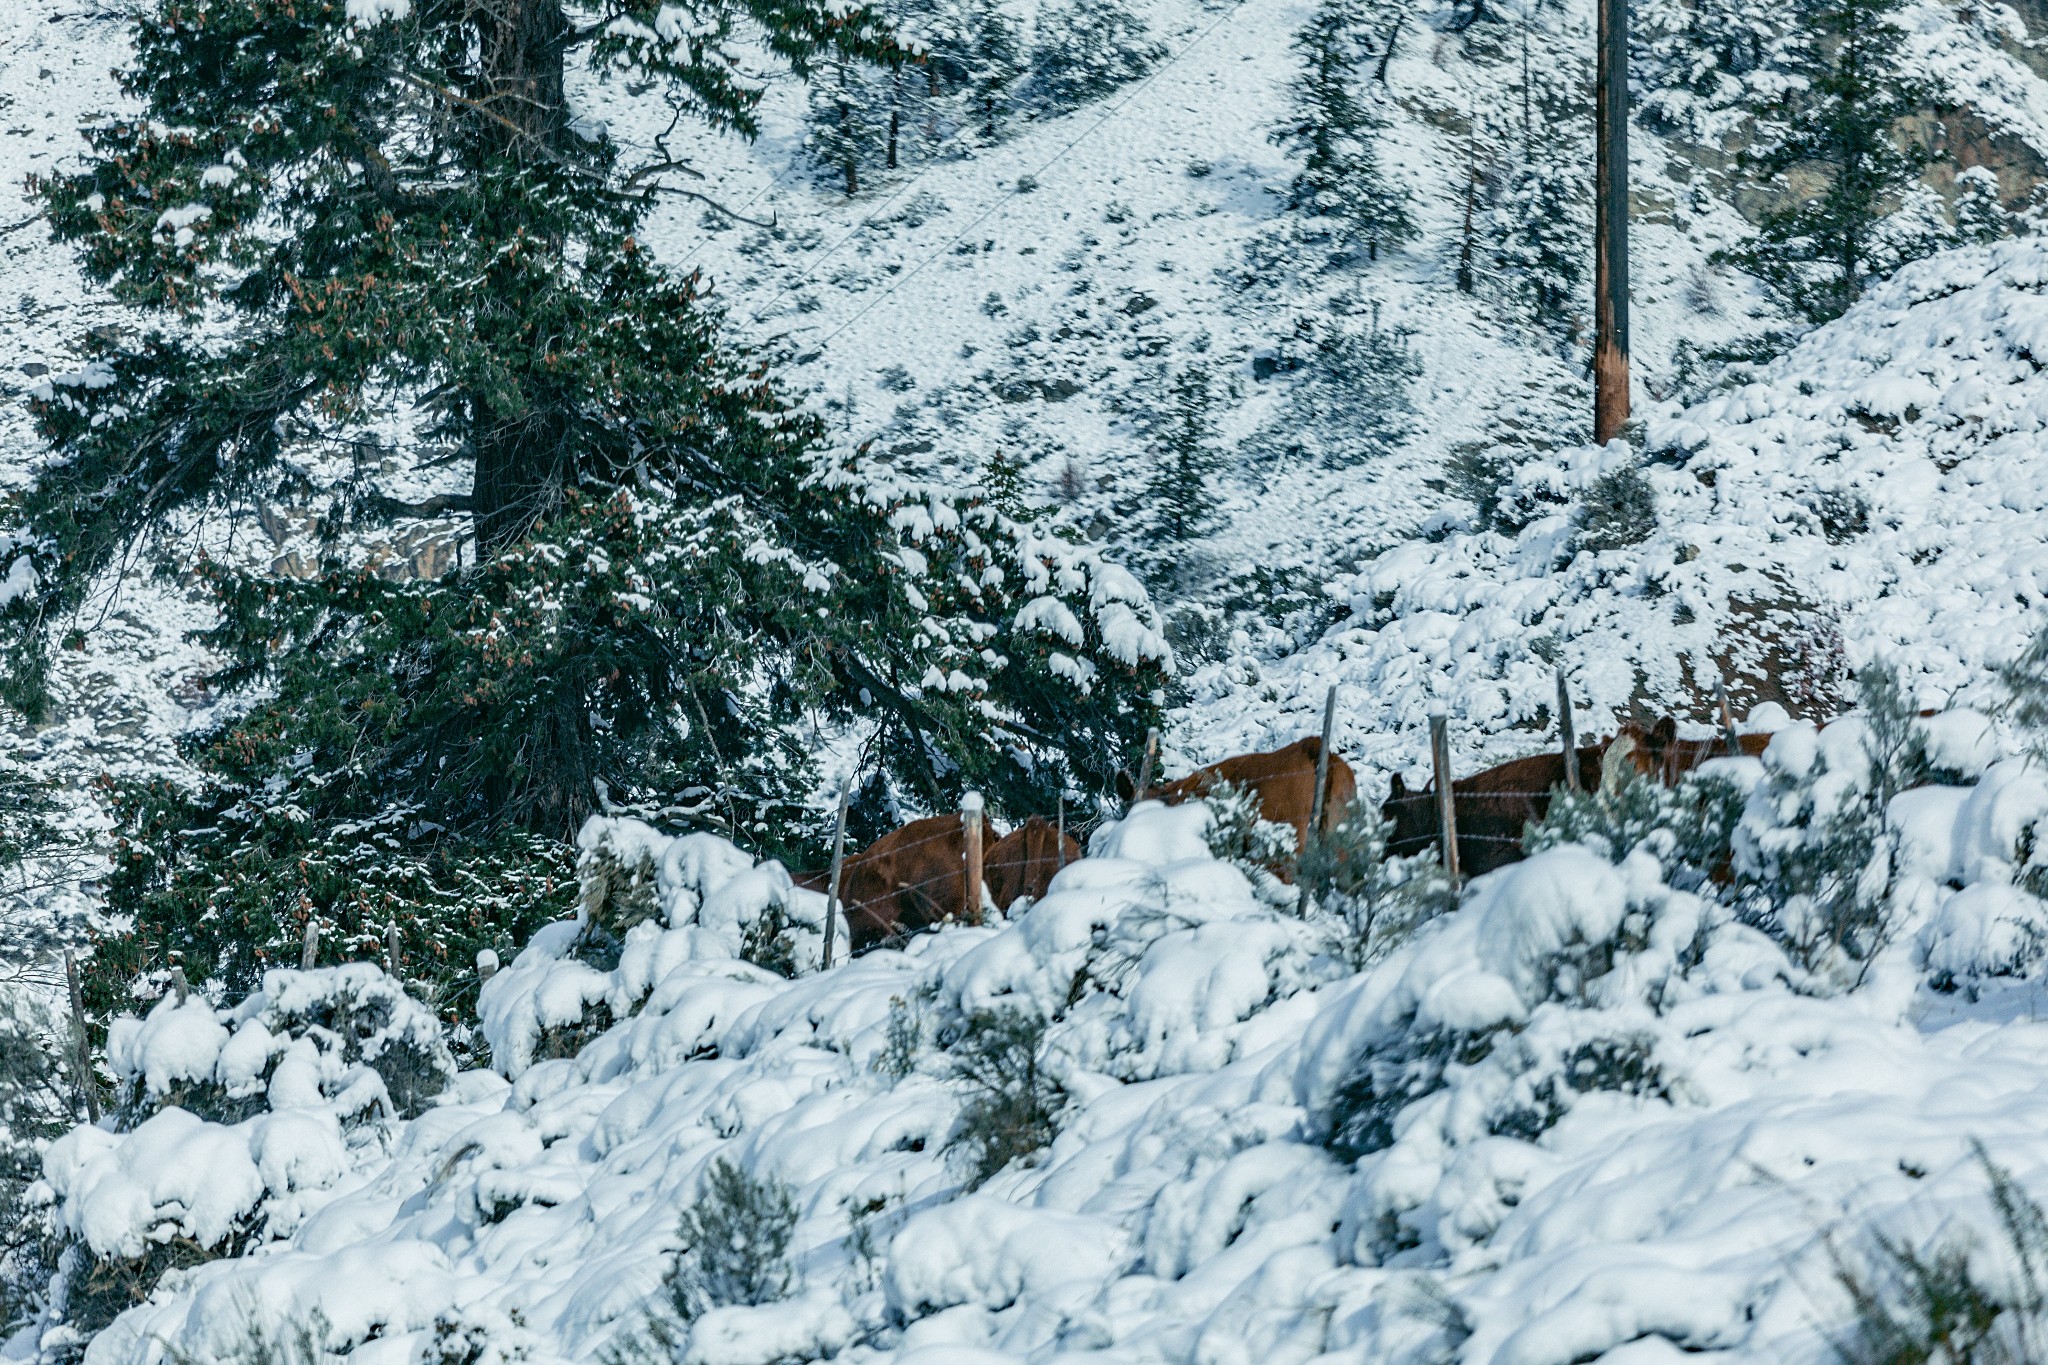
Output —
<point x="1341" y="189"/>
<point x="1840" y="109"/>
<point x="393" y="279"/>
<point x="1012" y="1105"/>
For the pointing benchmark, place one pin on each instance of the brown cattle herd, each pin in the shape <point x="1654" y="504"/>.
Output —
<point x="915" y="878"/>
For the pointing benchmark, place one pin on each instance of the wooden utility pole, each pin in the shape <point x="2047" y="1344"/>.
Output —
<point x="1610" y="225"/>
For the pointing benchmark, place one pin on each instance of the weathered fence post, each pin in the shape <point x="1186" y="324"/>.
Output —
<point x="81" y="1050"/>
<point x="832" y="882"/>
<point x="1145" y="768"/>
<point x="391" y="959"/>
<point x="1059" y="835"/>
<point x="1446" y="808"/>
<point x="309" y="951"/>
<point x="1728" y="735"/>
<point x="1313" y="835"/>
<point x="1568" y="733"/>
<point x="970" y="816"/>
<point x="180" y="984"/>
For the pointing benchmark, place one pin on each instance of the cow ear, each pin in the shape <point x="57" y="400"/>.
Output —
<point x="1126" y="786"/>
<point x="1397" y="787"/>
<point x="1665" y="735"/>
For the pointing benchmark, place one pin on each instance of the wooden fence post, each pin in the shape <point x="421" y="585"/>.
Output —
<point x="1313" y="835"/>
<point x="1728" y="735"/>
<point x="1446" y="808"/>
<point x="180" y="984"/>
<point x="970" y="816"/>
<point x="81" y="1050"/>
<point x="832" y="883"/>
<point x="1059" y="835"/>
<point x="309" y="951"/>
<point x="1145" y="768"/>
<point x="391" y="959"/>
<point x="1567" y="733"/>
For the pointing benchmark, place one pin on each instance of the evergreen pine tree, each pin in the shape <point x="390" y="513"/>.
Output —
<point x="344" y="219"/>
<point x="1699" y="62"/>
<point x="980" y="62"/>
<point x="1341" y="188"/>
<point x="852" y="118"/>
<point x="1847" y="93"/>
<point x="1087" y="48"/>
<point x="1980" y="212"/>
<point x="1350" y="401"/>
<point x="1542" y="236"/>
<point x="1178" y="501"/>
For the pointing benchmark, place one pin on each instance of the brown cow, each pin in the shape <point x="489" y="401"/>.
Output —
<point x="911" y="878"/>
<point x="1284" y="780"/>
<point x="1492" y="808"/>
<point x="1023" y="862"/>
<point x="1496" y="805"/>
<point x="1658" y="752"/>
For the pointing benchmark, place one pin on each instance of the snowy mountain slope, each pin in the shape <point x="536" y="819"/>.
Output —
<point x="1612" y="1126"/>
<point x="1874" y="495"/>
<point x="1016" y="299"/>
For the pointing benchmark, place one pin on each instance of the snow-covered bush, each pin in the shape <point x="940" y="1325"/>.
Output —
<point x="1689" y="829"/>
<point x="648" y="901"/>
<point x="348" y="1036"/>
<point x="1617" y="510"/>
<point x="1942" y="1304"/>
<point x="735" y="1240"/>
<point x="1814" y="847"/>
<point x="1012" y="1102"/>
<point x="1372" y="902"/>
<point x="231" y="1125"/>
<point x="1548" y="978"/>
<point x="1239" y="834"/>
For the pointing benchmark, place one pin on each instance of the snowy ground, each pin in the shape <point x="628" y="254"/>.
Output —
<point x="1527" y="1198"/>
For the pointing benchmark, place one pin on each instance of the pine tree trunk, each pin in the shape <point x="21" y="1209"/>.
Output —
<point x="895" y="112"/>
<point x="523" y="458"/>
<point x="522" y="44"/>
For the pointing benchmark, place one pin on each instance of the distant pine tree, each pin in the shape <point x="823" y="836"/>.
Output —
<point x="1698" y="62"/>
<point x="1840" y="112"/>
<point x="1087" y="48"/>
<point x="1350" y="403"/>
<point x="1980" y="212"/>
<point x="1177" y="500"/>
<point x="982" y="63"/>
<point x="1341" y="187"/>
<point x="1541" y="234"/>
<point x="850" y="118"/>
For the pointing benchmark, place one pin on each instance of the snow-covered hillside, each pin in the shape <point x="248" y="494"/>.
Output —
<point x="1015" y="299"/>
<point x="1583" y="1117"/>
<point x="1874" y="495"/>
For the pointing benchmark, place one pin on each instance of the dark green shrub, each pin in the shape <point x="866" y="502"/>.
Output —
<point x="1012" y="1105"/>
